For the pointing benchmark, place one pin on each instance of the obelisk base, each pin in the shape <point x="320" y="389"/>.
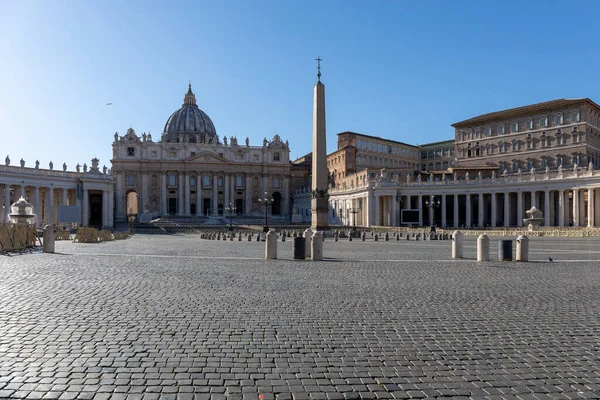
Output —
<point x="320" y="214"/>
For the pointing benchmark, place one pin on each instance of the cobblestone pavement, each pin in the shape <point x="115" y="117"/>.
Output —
<point x="179" y="317"/>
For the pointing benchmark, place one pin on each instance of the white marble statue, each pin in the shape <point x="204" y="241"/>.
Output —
<point x="116" y="137"/>
<point x="479" y="175"/>
<point x="78" y="167"/>
<point x="467" y="176"/>
<point x="590" y="166"/>
<point x="494" y="174"/>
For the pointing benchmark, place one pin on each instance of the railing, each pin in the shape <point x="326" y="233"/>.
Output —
<point x="55" y="173"/>
<point x="17" y="236"/>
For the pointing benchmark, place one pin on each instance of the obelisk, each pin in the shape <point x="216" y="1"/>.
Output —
<point x="319" y="202"/>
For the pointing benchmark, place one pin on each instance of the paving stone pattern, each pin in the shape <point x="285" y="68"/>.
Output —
<point x="176" y="317"/>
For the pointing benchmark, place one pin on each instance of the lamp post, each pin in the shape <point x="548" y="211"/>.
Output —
<point x="266" y="202"/>
<point x="231" y="209"/>
<point x="432" y="204"/>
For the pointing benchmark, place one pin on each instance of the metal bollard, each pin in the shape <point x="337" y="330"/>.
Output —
<point x="271" y="245"/>
<point x="387" y="237"/>
<point x="457" y="244"/>
<point x="317" y="246"/>
<point x="283" y="237"/>
<point x="376" y="238"/>
<point x="335" y="237"/>
<point x="522" y="248"/>
<point x="350" y="237"/>
<point x="48" y="245"/>
<point x="483" y="248"/>
<point x="307" y="245"/>
<point x="363" y="237"/>
<point x="298" y="251"/>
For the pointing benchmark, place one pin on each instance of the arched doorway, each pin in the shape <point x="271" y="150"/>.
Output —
<point x="132" y="205"/>
<point x="276" y="210"/>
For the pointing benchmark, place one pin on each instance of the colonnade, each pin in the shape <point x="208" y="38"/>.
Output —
<point x="574" y="206"/>
<point x="46" y="199"/>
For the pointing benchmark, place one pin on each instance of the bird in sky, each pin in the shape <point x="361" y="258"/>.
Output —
<point x="109" y="104"/>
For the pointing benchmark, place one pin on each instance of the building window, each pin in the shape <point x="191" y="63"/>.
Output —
<point x="172" y="153"/>
<point x="514" y="127"/>
<point x="192" y="181"/>
<point x="276" y="182"/>
<point x="131" y="179"/>
<point x="477" y="134"/>
<point x="154" y="153"/>
<point x="154" y="180"/>
<point x="206" y="181"/>
<point x="238" y="181"/>
<point x="576" y="160"/>
<point x="544" y="163"/>
<point x="500" y="129"/>
<point x="558" y="119"/>
<point x="543" y="122"/>
<point x="575" y="138"/>
<point x="515" y="145"/>
<point x="559" y="140"/>
<point x="172" y="180"/>
<point x="559" y="161"/>
<point x="275" y="156"/>
<point x="488" y="131"/>
<point x="575" y="116"/>
<point x="220" y="182"/>
<point x="130" y="151"/>
<point x="255" y="157"/>
<point x="529" y="124"/>
<point x="515" y="165"/>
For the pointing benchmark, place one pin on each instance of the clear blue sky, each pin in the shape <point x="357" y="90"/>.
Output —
<point x="403" y="70"/>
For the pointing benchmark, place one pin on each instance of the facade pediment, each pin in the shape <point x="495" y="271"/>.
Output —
<point x="207" y="157"/>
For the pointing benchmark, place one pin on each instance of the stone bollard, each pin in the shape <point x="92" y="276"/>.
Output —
<point x="457" y="244"/>
<point x="231" y="238"/>
<point x="335" y="237"/>
<point x="249" y="238"/>
<point x="307" y="242"/>
<point x="483" y="248"/>
<point x="317" y="246"/>
<point x="258" y="237"/>
<point x="240" y="237"/>
<point x="363" y="237"/>
<point x="407" y="237"/>
<point x="271" y="245"/>
<point x="376" y="238"/>
<point x="387" y="237"/>
<point x="417" y="236"/>
<point x="397" y="237"/>
<point x="218" y="236"/>
<point x="350" y="237"/>
<point x="48" y="245"/>
<point x="522" y="248"/>
<point x="283" y="237"/>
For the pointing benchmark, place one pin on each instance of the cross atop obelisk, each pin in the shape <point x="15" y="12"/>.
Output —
<point x="318" y="60"/>
<point x="320" y="202"/>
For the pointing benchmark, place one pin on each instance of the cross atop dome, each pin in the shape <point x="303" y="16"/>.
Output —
<point x="190" y="97"/>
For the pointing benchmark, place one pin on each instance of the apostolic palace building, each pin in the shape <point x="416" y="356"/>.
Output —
<point x="497" y="166"/>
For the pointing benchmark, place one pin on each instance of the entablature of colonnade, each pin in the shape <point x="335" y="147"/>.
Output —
<point x="539" y="181"/>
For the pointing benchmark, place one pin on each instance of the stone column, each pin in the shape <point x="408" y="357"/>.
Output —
<point x="215" y="192"/>
<point x="111" y="208"/>
<point x="86" y="208"/>
<point x="181" y="196"/>
<point x="561" y="207"/>
<point x="420" y="208"/>
<point x="456" y="213"/>
<point x="444" y="210"/>
<point x="367" y="210"/>
<point x="6" y="201"/>
<point x="144" y="195"/>
<point x="51" y="205"/>
<point x="394" y="210"/>
<point x="494" y="215"/>
<point x="480" y="213"/>
<point x="533" y="202"/>
<point x="506" y="209"/>
<point x="188" y="205"/>
<point x="36" y="206"/>
<point x="519" y="208"/>
<point x="199" y="205"/>
<point x="248" y="193"/>
<point x="377" y="210"/>
<point x="575" y="207"/>
<point x="547" y="208"/>
<point x="596" y="207"/>
<point x="120" y="196"/>
<point x="581" y="207"/>
<point x="65" y="200"/>
<point x="226" y="190"/>
<point x="163" y="194"/>
<point x="22" y="190"/>
<point x="431" y="209"/>
<point x="468" y="210"/>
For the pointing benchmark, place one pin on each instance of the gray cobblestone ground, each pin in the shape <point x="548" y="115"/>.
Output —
<point x="178" y="317"/>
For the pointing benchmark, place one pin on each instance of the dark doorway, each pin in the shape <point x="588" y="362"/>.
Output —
<point x="172" y="206"/>
<point x="205" y="206"/>
<point x="239" y="206"/>
<point x="193" y="209"/>
<point x="95" y="210"/>
<point x="276" y="210"/>
<point x="220" y="209"/>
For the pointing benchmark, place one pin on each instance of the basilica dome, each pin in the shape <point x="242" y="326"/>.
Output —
<point x="189" y="123"/>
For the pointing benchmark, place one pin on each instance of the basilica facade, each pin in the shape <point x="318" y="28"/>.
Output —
<point x="190" y="171"/>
